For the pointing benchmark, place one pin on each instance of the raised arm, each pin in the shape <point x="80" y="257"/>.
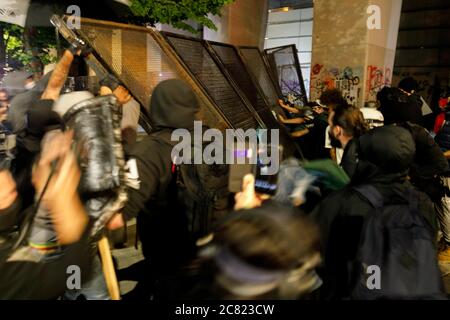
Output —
<point x="290" y="121"/>
<point x="299" y="133"/>
<point x="61" y="196"/>
<point x="58" y="77"/>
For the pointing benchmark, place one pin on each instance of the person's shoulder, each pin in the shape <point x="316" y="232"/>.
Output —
<point x="352" y="145"/>
<point x="151" y="149"/>
<point x="346" y="201"/>
<point x="414" y="128"/>
<point x="339" y="197"/>
<point x="321" y="118"/>
<point x="144" y="146"/>
<point x="25" y="97"/>
<point x="421" y="135"/>
<point x="416" y="97"/>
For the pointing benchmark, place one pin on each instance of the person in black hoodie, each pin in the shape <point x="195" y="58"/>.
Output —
<point x="385" y="155"/>
<point x="162" y="227"/>
<point x="430" y="169"/>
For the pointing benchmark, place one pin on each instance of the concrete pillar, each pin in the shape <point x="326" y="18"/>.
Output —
<point x="354" y="45"/>
<point x="243" y="22"/>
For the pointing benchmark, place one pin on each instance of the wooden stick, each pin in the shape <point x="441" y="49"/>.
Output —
<point x="108" y="268"/>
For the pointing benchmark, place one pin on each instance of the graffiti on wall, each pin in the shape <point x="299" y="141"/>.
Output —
<point x="377" y="78"/>
<point x="347" y="79"/>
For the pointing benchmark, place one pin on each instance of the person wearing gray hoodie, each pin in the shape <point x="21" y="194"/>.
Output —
<point x="23" y="99"/>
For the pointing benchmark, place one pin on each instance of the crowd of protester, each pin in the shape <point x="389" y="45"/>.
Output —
<point x="374" y="192"/>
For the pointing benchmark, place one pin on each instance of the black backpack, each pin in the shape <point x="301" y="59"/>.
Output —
<point x="202" y="193"/>
<point x="397" y="239"/>
<point x="202" y="190"/>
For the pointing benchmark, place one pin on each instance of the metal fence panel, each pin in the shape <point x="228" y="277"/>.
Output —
<point x="237" y="69"/>
<point x="141" y="61"/>
<point x="202" y="65"/>
<point x="285" y="66"/>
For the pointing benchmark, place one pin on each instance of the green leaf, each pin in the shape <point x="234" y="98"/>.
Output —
<point x="176" y="13"/>
<point x="44" y="39"/>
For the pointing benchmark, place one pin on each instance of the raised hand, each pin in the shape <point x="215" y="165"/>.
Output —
<point x="61" y="196"/>
<point x="247" y="198"/>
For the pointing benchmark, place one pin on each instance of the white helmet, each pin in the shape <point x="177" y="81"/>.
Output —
<point x="67" y="100"/>
<point x="373" y="117"/>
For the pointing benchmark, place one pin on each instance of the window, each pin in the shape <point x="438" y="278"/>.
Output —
<point x="292" y="26"/>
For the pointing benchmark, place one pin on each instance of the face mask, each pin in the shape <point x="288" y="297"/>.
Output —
<point x="30" y="85"/>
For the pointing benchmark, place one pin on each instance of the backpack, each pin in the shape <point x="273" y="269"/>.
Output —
<point x="202" y="190"/>
<point x="202" y="193"/>
<point x="397" y="240"/>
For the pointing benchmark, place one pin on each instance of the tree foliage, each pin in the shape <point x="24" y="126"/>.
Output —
<point x="18" y="46"/>
<point x="177" y="12"/>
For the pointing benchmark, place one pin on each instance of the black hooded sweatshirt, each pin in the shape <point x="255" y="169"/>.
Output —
<point x="161" y="226"/>
<point x="173" y="106"/>
<point x="341" y="215"/>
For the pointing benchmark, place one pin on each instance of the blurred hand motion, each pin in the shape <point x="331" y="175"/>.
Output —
<point x="61" y="195"/>
<point x="116" y="222"/>
<point x="247" y="198"/>
<point x="64" y="182"/>
<point x="122" y="94"/>
<point x="8" y="192"/>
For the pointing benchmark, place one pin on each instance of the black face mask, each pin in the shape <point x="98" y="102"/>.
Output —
<point x="335" y="143"/>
